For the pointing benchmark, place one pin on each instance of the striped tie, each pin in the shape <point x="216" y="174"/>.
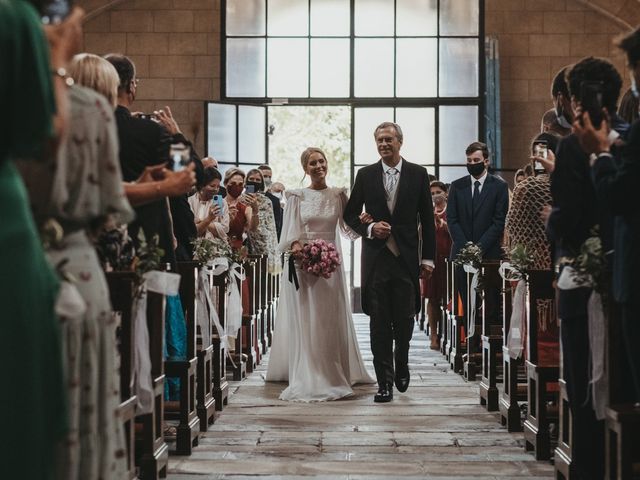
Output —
<point x="391" y="182"/>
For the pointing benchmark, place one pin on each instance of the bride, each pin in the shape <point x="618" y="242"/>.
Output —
<point x="314" y="344"/>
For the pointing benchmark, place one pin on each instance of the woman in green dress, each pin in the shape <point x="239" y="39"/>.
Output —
<point x="32" y="90"/>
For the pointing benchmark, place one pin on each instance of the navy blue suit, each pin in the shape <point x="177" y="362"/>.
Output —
<point x="616" y="185"/>
<point x="482" y="225"/>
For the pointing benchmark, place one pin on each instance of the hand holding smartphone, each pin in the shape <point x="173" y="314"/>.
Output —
<point x="250" y="189"/>
<point x="218" y="201"/>
<point x="179" y="156"/>
<point x="56" y="11"/>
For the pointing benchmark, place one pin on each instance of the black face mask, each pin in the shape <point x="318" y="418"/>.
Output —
<point x="475" y="169"/>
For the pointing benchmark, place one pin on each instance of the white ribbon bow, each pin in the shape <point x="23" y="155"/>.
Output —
<point x="234" y="303"/>
<point x="164" y="283"/>
<point x="518" y="321"/>
<point x="207" y="311"/>
<point x="472" y="300"/>
<point x="570" y="279"/>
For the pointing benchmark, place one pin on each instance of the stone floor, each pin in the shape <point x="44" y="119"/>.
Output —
<point x="436" y="429"/>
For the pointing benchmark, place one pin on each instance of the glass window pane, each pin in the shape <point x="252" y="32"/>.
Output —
<point x="330" y="67"/>
<point x="416" y="67"/>
<point x="418" y="129"/>
<point x="459" y="17"/>
<point x="251" y="134"/>
<point x="222" y="132"/>
<point x="449" y="174"/>
<point x="458" y="67"/>
<point x="245" y="67"/>
<point x="458" y="128"/>
<point x="287" y="67"/>
<point x="373" y="68"/>
<point x="417" y="17"/>
<point x="288" y="17"/>
<point x="374" y="18"/>
<point x="331" y="18"/>
<point x="246" y="17"/>
<point x="365" y="122"/>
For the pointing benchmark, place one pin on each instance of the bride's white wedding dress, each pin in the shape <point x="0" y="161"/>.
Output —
<point x="314" y="346"/>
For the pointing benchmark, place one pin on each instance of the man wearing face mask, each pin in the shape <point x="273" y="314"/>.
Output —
<point x="558" y="120"/>
<point x="476" y="211"/>
<point x="616" y="183"/>
<point x="478" y="205"/>
<point x="267" y="174"/>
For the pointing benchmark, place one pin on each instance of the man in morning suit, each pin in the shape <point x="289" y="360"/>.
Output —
<point x="395" y="193"/>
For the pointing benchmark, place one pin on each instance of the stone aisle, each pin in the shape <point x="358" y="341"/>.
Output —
<point x="436" y="429"/>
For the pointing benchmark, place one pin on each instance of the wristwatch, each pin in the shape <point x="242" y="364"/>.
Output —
<point x="62" y="73"/>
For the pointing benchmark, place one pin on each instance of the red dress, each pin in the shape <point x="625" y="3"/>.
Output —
<point x="435" y="287"/>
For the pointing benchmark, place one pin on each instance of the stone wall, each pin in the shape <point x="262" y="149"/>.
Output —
<point x="175" y="45"/>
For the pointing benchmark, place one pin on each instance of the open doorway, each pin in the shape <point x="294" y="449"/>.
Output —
<point x="291" y="129"/>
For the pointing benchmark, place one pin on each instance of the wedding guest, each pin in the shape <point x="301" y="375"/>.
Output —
<point x="576" y="210"/>
<point x="434" y="287"/>
<point x="263" y="240"/>
<point x="558" y="119"/>
<point x="211" y="221"/>
<point x="87" y="187"/>
<point x="155" y="183"/>
<point x="33" y="97"/>
<point x="616" y="181"/>
<point x="629" y="105"/>
<point x="267" y="174"/>
<point x="243" y="209"/>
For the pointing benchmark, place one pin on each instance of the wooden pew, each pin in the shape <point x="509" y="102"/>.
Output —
<point x="262" y="305"/>
<point x="247" y="337"/>
<point x="562" y="453"/>
<point x="457" y="340"/>
<point x="152" y="448"/>
<point x="121" y="291"/>
<point x="205" y="401"/>
<point x="542" y="364"/>
<point x="511" y="392"/>
<point x="491" y="336"/>
<point x="622" y="426"/>
<point x="219" y="290"/>
<point x="447" y="307"/>
<point x="185" y="369"/>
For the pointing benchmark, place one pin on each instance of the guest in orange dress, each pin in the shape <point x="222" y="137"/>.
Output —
<point x="434" y="288"/>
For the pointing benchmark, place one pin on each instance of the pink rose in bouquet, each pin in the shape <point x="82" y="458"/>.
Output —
<point x="320" y="258"/>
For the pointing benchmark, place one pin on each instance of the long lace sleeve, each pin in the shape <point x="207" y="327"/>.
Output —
<point x="345" y="229"/>
<point x="291" y="222"/>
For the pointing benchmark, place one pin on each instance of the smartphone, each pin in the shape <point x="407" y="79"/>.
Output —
<point x="55" y="11"/>
<point x="591" y="100"/>
<point x="179" y="156"/>
<point x="149" y="116"/>
<point x="250" y="189"/>
<point x="217" y="200"/>
<point x="540" y="149"/>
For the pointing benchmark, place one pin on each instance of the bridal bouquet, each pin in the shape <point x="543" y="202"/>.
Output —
<point x="320" y="258"/>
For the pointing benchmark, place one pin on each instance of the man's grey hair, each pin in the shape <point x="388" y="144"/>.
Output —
<point x="395" y="126"/>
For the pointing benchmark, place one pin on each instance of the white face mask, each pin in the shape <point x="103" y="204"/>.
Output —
<point x="634" y="86"/>
<point x="278" y="195"/>
<point x="267" y="182"/>
<point x="562" y="120"/>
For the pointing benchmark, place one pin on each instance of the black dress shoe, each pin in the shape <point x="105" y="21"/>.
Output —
<point x="384" y="395"/>
<point x="402" y="379"/>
